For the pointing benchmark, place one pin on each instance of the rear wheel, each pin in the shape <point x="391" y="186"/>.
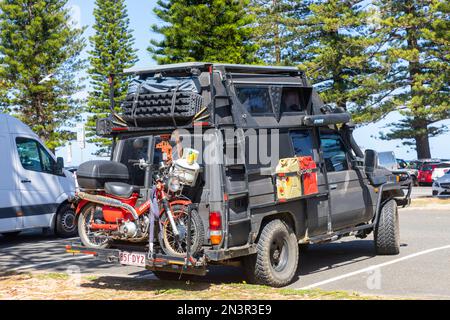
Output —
<point x="92" y="238"/>
<point x="66" y="225"/>
<point x="178" y="247"/>
<point x="275" y="263"/>
<point x="387" y="230"/>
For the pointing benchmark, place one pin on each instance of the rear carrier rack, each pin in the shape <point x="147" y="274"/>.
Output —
<point x="159" y="262"/>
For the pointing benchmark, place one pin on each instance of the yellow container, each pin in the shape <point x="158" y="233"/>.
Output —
<point x="289" y="184"/>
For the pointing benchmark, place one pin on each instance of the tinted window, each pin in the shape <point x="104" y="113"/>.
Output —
<point x="302" y="143"/>
<point x="334" y="153"/>
<point x="291" y="100"/>
<point x="33" y="156"/>
<point x="255" y="99"/>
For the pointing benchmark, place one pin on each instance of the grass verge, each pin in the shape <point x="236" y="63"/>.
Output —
<point x="55" y="286"/>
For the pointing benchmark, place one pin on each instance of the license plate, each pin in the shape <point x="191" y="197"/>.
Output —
<point x="132" y="259"/>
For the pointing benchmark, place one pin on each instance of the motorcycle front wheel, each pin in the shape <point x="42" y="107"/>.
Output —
<point x="95" y="239"/>
<point x="178" y="247"/>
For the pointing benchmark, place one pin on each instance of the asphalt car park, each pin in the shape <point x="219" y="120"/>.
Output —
<point x="422" y="269"/>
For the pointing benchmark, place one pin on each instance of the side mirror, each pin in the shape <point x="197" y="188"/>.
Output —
<point x="370" y="161"/>
<point x="59" y="166"/>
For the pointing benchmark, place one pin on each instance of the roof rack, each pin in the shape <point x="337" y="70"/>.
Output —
<point x="205" y="65"/>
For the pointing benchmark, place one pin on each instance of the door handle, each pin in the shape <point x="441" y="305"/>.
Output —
<point x="26" y="181"/>
<point x="333" y="186"/>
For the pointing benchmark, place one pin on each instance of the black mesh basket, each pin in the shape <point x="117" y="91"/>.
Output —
<point x="153" y="109"/>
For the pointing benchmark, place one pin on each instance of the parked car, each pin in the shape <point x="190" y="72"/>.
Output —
<point x="251" y="212"/>
<point x="441" y="187"/>
<point x="440" y="170"/>
<point x="426" y="172"/>
<point x="402" y="164"/>
<point x="389" y="161"/>
<point x="34" y="187"/>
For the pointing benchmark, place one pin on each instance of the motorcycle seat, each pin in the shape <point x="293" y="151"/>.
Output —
<point x="120" y="189"/>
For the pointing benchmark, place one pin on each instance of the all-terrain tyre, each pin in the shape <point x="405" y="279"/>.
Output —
<point x="66" y="224"/>
<point x="275" y="263"/>
<point x="387" y="230"/>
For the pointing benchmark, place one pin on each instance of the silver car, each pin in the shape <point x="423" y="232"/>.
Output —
<point x="441" y="187"/>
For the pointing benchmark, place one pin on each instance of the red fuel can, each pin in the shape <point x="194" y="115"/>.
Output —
<point x="309" y="177"/>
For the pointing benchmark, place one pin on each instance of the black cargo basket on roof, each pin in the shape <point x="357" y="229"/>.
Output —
<point x="159" y="101"/>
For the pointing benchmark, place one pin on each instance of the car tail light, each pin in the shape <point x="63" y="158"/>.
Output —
<point x="215" y="227"/>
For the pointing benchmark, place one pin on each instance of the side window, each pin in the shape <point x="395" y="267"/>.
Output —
<point x="291" y="100"/>
<point x="302" y="143"/>
<point x="48" y="163"/>
<point x="255" y="99"/>
<point x="334" y="153"/>
<point x="28" y="151"/>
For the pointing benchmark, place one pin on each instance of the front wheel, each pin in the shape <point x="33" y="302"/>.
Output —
<point x="95" y="239"/>
<point x="387" y="230"/>
<point x="66" y="225"/>
<point x="178" y="247"/>
<point x="275" y="263"/>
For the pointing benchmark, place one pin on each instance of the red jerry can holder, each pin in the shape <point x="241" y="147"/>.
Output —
<point x="308" y="168"/>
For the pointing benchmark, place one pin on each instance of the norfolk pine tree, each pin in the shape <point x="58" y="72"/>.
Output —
<point x="418" y="53"/>
<point x="274" y="29"/>
<point x="39" y="59"/>
<point x="337" y="50"/>
<point x="112" y="52"/>
<point x="200" y="30"/>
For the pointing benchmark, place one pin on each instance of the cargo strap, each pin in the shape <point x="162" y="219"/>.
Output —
<point x="135" y="102"/>
<point x="172" y="107"/>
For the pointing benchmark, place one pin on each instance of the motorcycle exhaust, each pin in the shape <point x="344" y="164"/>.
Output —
<point x="108" y="202"/>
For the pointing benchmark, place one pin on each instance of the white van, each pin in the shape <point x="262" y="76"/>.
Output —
<point x="34" y="187"/>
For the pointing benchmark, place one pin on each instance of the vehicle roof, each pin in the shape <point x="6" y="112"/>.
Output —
<point x="10" y="124"/>
<point x="205" y="65"/>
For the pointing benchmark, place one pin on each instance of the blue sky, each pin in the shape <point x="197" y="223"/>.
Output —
<point x="142" y="17"/>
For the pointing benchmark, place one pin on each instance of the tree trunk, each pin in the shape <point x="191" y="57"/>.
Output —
<point x="423" y="146"/>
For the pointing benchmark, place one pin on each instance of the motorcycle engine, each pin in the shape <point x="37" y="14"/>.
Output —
<point x="128" y="229"/>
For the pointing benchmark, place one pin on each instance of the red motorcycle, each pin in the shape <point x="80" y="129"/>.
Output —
<point x="118" y="213"/>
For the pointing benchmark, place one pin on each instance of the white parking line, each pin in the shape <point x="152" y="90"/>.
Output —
<point x="371" y="268"/>
<point x="30" y="266"/>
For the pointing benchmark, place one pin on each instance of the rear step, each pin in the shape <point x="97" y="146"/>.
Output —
<point x="159" y="263"/>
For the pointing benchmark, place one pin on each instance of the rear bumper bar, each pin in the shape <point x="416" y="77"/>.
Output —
<point x="158" y="263"/>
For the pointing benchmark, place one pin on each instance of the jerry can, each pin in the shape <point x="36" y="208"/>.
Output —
<point x="288" y="182"/>
<point x="308" y="169"/>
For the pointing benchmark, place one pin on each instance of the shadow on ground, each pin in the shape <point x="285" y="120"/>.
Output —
<point x="41" y="249"/>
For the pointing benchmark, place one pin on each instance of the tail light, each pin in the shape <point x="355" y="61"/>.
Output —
<point x="215" y="227"/>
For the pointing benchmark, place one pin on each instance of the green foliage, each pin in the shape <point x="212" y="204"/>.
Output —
<point x="37" y="40"/>
<point x="416" y="34"/>
<point x="336" y="50"/>
<point x="112" y="52"/>
<point x="275" y="29"/>
<point x="199" y="30"/>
